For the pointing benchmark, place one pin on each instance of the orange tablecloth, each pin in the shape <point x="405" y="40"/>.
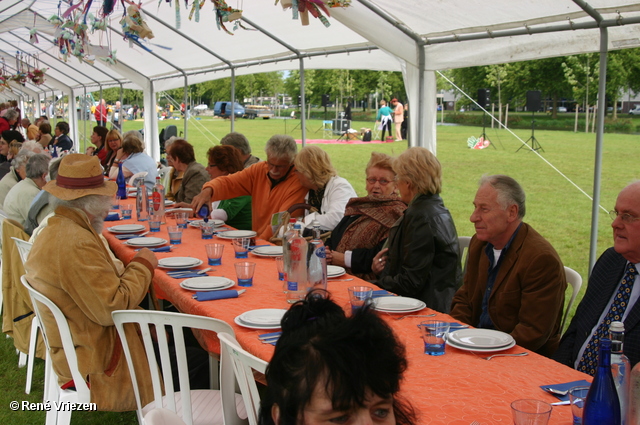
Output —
<point x="455" y="389"/>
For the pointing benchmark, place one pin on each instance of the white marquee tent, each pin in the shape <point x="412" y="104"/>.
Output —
<point x="415" y="36"/>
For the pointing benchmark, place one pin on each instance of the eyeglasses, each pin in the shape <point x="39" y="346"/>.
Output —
<point x="383" y="182"/>
<point x="211" y="165"/>
<point x="626" y="217"/>
<point x="113" y="140"/>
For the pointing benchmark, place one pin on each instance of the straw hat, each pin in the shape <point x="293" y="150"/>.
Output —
<point x="80" y="175"/>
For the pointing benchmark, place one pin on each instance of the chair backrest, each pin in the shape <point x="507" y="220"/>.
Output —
<point x="165" y="177"/>
<point x="24" y="247"/>
<point x="575" y="280"/>
<point x="463" y="244"/>
<point x="162" y="417"/>
<point x="163" y="373"/>
<point x="244" y="364"/>
<point x="133" y="178"/>
<point x="37" y="299"/>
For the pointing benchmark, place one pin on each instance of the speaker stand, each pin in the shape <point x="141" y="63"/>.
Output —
<point x="535" y="145"/>
<point x="483" y="135"/>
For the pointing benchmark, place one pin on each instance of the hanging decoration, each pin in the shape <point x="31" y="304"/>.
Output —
<point x="225" y="13"/>
<point x="20" y="77"/>
<point x="301" y="9"/>
<point x="135" y="28"/>
<point x="33" y="32"/>
<point x="4" y="77"/>
<point x="35" y="73"/>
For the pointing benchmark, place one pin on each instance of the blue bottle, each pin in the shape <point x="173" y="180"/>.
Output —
<point x="122" y="184"/>
<point x="602" y="406"/>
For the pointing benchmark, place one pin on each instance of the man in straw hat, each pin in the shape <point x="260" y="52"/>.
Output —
<point x="71" y="266"/>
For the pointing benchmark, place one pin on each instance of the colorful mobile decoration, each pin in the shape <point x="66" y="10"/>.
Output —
<point x="302" y="8"/>
<point x="135" y="28"/>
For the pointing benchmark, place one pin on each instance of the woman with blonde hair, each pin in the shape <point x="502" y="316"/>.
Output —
<point x="421" y="257"/>
<point x="134" y="160"/>
<point x="360" y="235"/>
<point x="113" y="145"/>
<point x="328" y="193"/>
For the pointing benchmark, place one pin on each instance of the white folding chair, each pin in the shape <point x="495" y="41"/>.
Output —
<point x="133" y="178"/>
<point x="244" y="364"/>
<point x="165" y="177"/>
<point x="463" y="246"/>
<point x="53" y="393"/>
<point x="222" y="406"/>
<point x="575" y="280"/>
<point x="162" y="417"/>
<point x="24" y="247"/>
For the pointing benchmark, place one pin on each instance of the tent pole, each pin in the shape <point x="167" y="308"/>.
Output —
<point x="602" y="86"/>
<point x="303" y="103"/>
<point x="233" y="99"/>
<point x="185" y="100"/>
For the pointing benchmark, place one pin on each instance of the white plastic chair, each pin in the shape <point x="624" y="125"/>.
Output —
<point x="133" y="178"/>
<point x="24" y="247"/>
<point x="463" y="244"/>
<point x="162" y="417"/>
<point x="193" y="406"/>
<point x="244" y="364"/>
<point x="52" y="392"/>
<point x="165" y="177"/>
<point x="575" y="280"/>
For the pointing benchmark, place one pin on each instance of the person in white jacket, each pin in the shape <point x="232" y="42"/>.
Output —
<point x="328" y="193"/>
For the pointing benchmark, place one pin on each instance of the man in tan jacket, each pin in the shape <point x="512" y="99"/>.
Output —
<point x="70" y="265"/>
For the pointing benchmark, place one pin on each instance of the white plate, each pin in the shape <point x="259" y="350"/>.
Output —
<point x="266" y="318"/>
<point x="146" y="242"/>
<point x="335" y="271"/>
<point x="480" y="338"/>
<point x="178" y="262"/>
<point x="168" y="202"/>
<point x="174" y="210"/>
<point x="268" y="251"/>
<point x="126" y="228"/>
<point x="480" y="350"/>
<point x="398" y="304"/>
<point x="198" y="223"/>
<point x="207" y="283"/>
<point x="233" y="234"/>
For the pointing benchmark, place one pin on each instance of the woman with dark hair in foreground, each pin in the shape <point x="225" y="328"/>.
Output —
<point x="329" y="368"/>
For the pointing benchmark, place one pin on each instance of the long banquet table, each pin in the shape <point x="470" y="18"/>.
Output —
<point x="455" y="389"/>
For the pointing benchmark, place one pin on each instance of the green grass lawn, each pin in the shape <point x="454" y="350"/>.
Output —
<point x="556" y="208"/>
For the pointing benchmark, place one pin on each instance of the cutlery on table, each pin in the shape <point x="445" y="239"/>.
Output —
<point x="180" y="273"/>
<point x="556" y="392"/>
<point x="160" y="249"/>
<point x="561" y="403"/>
<point x="131" y="235"/>
<point x="270" y="337"/>
<point x="340" y="280"/>
<point x="414" y="315"/>
<point x="505" y="355"/>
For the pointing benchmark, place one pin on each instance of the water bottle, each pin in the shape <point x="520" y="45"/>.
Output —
<point x="602" y="406"/>
<point x="157" y="195"/>
<point x="634" y="396"/>
<point x="204" y="212"/>
<point x="142" y="200"/>
<point x="620" y="367"/>
<point x="317" y="262"/>
<point x="286" y="255"/>
<point x="122" y="184"/>
<point x="297" y="274"/>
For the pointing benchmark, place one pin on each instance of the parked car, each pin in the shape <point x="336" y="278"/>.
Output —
<point x="201" y="108"/>
<point x="635" y="111"/>
<point x="223" y="109"/>
<point x="562" y="109"/>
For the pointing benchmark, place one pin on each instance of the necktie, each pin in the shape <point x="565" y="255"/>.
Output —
<point x="589" y="360"/>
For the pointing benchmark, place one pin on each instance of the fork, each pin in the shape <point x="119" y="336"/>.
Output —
<point x="414" y="315"/>
<point x="475" y="423"/>
<point x="505" y="355"/>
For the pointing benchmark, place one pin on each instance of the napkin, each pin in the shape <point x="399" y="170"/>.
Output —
<point x="112" y="217"/>
<point x="128" y="236"/>
<point x="382" y="293"/>
<point x="564" y="387"/>
<point x="161" y="249"/>
<point x="270" y="338"/>
<point x="252" y="247"/>
<point x="217" y="295"/>
<point x="187" y="275"/>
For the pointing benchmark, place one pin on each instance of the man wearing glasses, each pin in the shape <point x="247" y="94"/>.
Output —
<point x="612" y="293"/>
<point x="272" y="185"/>
<point x="515" y="280"/>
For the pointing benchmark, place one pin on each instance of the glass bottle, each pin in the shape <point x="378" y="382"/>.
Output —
<point x="317" y="262"/>
<point x="620" y="367"/>
<point x="142" y="200"/>
<point x="634" y="396"/>
<point x="602" y="406"/>
<point x="286" y="255"/>
<point x="122" y="184"/>
<point x="297" y="274"/>
<point x="157" y="196"/>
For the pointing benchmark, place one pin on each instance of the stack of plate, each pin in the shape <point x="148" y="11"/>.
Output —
<point x="266" y="318"/>
<point x="268" y="251"/>
<point x="146" y="242"/>
<point x="179" y="263"/>
<point x="233" y="234"/>
<point x="198" y="223"/>
<point x="398" y="304"/>
<point x="335" y="271"/>
<point x="127" y="228"/>
<point x="480" y="340"/>
<point x="207" y="283"/>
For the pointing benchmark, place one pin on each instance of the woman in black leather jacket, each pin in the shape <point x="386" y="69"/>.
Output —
<point x="421" y="258"/>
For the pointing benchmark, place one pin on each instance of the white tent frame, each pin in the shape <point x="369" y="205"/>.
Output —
<point x="417" y="37"/>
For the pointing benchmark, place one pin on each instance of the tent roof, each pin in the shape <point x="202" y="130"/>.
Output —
<point x="370" y="34"/>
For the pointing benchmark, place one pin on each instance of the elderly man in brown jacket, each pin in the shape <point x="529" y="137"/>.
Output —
<point x="515" y="280"/>
<point x="71" y="266"/>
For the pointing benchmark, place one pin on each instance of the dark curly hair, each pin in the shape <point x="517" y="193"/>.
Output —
<point x="350" y="356"/>
<point x="225" y="157"/>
